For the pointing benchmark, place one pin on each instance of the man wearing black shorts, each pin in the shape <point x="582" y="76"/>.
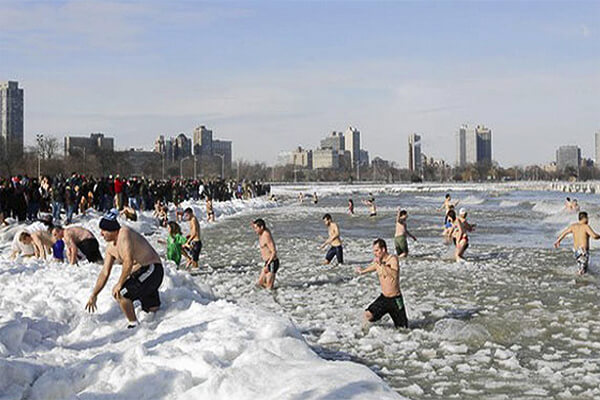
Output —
<point x="193" y="243"/>
<point x="142" y="271"/>
<point x="390" y="301"/>
<point x="78" y="238"/>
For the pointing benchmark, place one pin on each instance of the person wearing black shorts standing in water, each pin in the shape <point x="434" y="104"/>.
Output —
<point x="268" y="253"/>
<point x="142" y="271"/>
<point x="336" y="249"/>
<point x="390" y="301"/>
<point x="193" y="244"/>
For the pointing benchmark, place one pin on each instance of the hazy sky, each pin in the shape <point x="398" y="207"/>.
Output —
<point x="274" y="75"/>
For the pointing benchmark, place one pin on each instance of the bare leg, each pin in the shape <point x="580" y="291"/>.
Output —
<point x="461" y="247"/>
<point x="261" y="279"/>
<point x="270" y="280"/>
<point x="127" y="308"/>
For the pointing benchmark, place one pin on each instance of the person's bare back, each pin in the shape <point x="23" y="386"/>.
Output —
<point x="76" y="234"/>
<point x="582" y="233"/>
<point x="131" y="244"/>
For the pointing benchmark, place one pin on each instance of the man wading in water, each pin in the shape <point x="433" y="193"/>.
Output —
<point x="390" y="301"/>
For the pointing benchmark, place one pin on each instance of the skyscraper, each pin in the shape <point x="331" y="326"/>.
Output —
<point x="352" y="138"/>
<point x="473" y="145"/>
<point x="414" y="153"/>
<point x="203" y="141"/>
<point x="334" y="142"/>
<point x="11" y="119"/>
<point x="568" y="157"/>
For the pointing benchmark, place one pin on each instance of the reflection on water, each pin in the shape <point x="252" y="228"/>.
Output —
<point x="514" y="322"/>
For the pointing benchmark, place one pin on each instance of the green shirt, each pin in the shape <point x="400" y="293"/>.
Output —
<point x="174" y="244"/>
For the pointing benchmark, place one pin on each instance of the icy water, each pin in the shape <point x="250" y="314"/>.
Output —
<point x="513" y="323"/>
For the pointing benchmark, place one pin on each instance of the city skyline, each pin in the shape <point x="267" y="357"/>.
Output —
<point x="305" y="72"/>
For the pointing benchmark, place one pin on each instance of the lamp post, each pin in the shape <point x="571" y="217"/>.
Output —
<point x="40" y="139"/>
<point x="222" y="156"/>
<point x="195" y="162"/>
<point x="181" y="165"/>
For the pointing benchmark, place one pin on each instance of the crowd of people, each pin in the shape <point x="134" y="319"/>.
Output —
<point x="23" y="198"/>
<point x="142" y="270"/>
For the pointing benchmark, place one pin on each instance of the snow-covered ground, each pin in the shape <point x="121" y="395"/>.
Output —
<point x="195" y="347"/>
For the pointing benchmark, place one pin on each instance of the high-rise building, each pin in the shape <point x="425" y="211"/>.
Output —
<point x="352" y="138"/>
<point x="473" y="145"/>
<point x="364" y="157"/>
<point x="222" y="148"/>
<point x="203" y="141"/>
<point x="568" y="157"/>
<point x="597" y="160"/>
<point x="11" y="118"/>
<point x="334" y="142"/>
<point x="414" y="153"/>
<point x="81" y="145"/>
<point x="183" y="146"/>
<point x="325" y="158"/>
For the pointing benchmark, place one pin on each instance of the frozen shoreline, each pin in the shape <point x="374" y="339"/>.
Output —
<point x="194" y="347"/>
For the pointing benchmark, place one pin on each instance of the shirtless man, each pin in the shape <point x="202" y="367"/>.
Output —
<point x="400" y="241"/>
<point x="300" y="198"/>
<point x="78" y="238"/>
<point x="268" y="253"/>
<point x="390" y="301"/>
<point x="42" y="243"/>
<point x="334" y="240"/>
<point x="370" y="202"/>
<point x="210" y="213"/>
<point x="581" y="232"/>
<point x="315" y="198"/>
<point x="142" y="271"/>
<point x="193" y="243"/>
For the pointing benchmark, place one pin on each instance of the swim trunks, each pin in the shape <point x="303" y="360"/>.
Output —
<point x="372" y="214"/>
<point x="196" y="249"/>
<point x="273" y="266"/>
<point x="143" y="285"/>
<point x="401" y="245"/>
<point x="336" y="251"/>
<point x="389" y="305"/>
<point x="582" y="256"/>
<point x="58" y="250"/>
<point x="89" y="248"/>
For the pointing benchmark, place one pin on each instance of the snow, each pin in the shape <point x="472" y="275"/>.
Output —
<point x="196" y="346"/>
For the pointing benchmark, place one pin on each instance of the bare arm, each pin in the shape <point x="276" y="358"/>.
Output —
<point x="100" y="282"/>
<point x="71" y="249"/>
<point x="370" y="268"/>
<point x="592" y="233"/>
<point x="41" y="249"/>
<point x="562" y="236"/>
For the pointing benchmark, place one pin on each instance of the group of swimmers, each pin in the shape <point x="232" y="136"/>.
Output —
<point x="142" y="270"/>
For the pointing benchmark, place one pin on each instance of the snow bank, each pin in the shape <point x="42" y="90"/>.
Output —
<point x="195" y="347"/>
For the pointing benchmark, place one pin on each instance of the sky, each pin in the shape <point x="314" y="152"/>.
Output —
<point x="271" y="76"/>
